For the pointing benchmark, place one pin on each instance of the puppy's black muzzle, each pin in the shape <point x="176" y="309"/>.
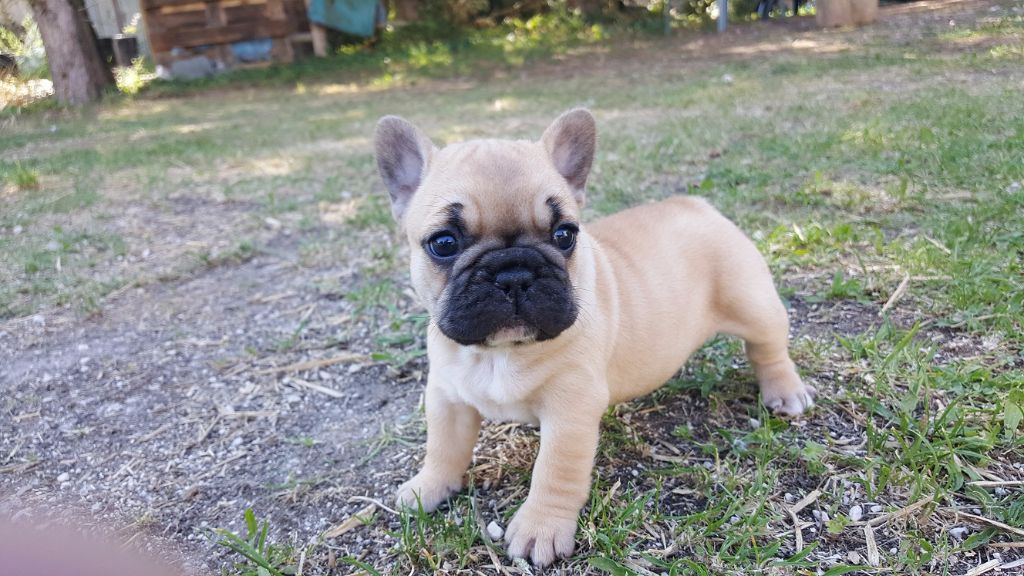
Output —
<point x="515" y="287"/>
<point x="514" y="280"/>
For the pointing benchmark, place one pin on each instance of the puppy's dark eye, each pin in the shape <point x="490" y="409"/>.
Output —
<point x="443" y="245"/>
<point x="564" y="237"/>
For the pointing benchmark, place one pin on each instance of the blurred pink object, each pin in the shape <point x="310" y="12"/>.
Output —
<point x="60" y="551"/>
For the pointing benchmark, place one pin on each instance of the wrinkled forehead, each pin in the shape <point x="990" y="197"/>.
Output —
<point x="495" y="189"/>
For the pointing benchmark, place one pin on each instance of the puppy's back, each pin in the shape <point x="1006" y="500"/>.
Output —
<point x="679" y="222"/>
<point x="677" y="265"/>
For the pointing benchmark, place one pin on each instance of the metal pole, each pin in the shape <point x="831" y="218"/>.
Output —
<point x="723" y="15"/>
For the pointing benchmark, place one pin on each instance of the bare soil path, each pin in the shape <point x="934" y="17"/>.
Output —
<point x="164" y="415"/>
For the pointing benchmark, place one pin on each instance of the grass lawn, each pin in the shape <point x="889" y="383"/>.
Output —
<point x="881" y="172"/>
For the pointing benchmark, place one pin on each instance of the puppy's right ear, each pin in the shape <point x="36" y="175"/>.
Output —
<point x="570" y="141"/>
<point x="403" y="154"/>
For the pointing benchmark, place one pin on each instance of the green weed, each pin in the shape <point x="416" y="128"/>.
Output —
<point x="24" y="178"/>
<point x="261" y="557"/>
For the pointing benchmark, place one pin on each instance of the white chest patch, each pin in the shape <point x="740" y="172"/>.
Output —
<point x="489" y="383"/>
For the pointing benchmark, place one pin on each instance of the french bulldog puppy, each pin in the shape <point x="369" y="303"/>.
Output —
<point x="538" y="318"/>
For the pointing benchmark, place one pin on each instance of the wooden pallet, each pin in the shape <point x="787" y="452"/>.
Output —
<point x="180" y="29"/>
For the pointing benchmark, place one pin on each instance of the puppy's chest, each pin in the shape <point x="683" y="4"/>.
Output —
<point x="494" y="387"/>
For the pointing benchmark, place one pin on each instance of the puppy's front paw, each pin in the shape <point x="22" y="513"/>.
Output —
<point x="426" y="491"/>
<point x="789" y="400"/>
<point x="541" y="536"/>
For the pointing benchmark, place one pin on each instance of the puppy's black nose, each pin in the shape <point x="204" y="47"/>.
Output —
<point x="516" y="278"/>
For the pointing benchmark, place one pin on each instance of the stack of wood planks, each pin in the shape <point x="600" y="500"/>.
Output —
<point x="183" y="29"/>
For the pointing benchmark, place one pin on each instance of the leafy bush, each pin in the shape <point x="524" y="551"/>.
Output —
<point x="27" y="50"/>
<point x="436" y="44"/>
<point x="131" y="79"/>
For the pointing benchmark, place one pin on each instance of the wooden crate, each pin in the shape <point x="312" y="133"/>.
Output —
<point x="182" y="29"/>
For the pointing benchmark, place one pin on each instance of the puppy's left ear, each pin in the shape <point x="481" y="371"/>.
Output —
<point x="403" y="155"/>
<point x="570" y="141"/>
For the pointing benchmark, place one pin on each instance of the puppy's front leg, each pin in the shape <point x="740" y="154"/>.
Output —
<point x="544" y="528"/>
<point x="452" y="430"/>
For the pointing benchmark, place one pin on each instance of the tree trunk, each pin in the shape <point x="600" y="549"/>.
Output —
<point x="407" y="10"/>
<point x="79" y="74"/>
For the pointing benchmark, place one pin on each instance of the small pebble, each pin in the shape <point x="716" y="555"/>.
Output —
<point x="755" y="423"/>
<point x="856" y="513"/>
<point x="853" y="557"/>
<point x="876" y="509"/>
<point x="64" y="477"/>
<point x="495" y="531"/>
<point x="959" y="532"/>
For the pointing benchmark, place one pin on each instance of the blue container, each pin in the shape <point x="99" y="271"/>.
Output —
<point x="356" y="17"/>
<point x="252" y="50"/>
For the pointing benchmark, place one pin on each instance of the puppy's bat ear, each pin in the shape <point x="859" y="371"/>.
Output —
<point x="403" y="154"/>
<point x="570" y="141"/>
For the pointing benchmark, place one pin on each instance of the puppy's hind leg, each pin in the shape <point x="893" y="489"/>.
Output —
<point x="754" y="312"/>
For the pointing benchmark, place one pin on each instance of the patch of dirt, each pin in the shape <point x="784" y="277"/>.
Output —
<point x="166" y="413"/>
<point x="825" y="320"/>
<point x="916" y="25"/>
